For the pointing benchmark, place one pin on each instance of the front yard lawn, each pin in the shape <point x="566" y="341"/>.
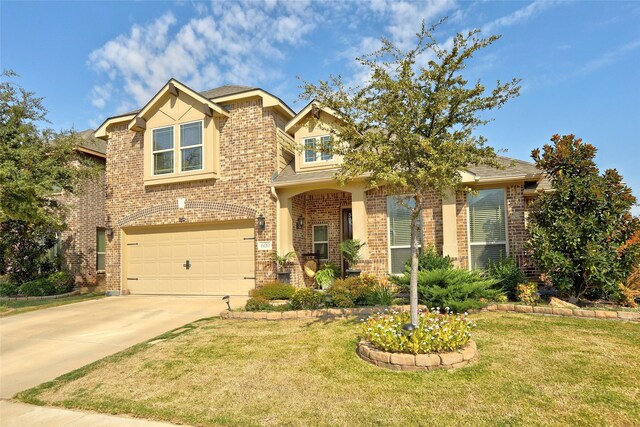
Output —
<point x="533" y="370"/>
<point x="17" y="306"/>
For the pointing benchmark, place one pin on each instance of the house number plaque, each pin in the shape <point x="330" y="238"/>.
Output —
<point x="265" y="246"/>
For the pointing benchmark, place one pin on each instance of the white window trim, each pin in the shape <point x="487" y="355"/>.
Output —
<point x="177" y="150"/>
<point x="318" y="152"/>
<point x="101" y="253"/>
<point x="506" y="229"/>
<point x="201" y="145"/>
<point x="154" y="152"/>
<point x="389" y="247"/>
<point x="314" y="241"/>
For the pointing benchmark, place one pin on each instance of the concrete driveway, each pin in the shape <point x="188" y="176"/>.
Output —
<point x="41" y="345"/>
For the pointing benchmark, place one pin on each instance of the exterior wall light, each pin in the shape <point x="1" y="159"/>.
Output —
<point x="300" y="222"/>
<point x="108" y="232"/>
<point x="261" y="222"/>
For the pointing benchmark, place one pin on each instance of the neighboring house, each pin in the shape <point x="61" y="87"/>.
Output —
<point x="202" y="188"/>
<point x="81" y="247"/>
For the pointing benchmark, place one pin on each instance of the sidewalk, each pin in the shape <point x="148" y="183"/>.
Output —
<point x="16" y="414"/>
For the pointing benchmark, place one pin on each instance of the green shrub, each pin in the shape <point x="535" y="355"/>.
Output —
<point x="383" y="294"/>
<point x="435" y="332"/>
<point x="274" y="290"/>
<point x="353" y="291"/>
<point x="458" y="289"/>
<point x="257" y="304"/>
<point x="62" y="282"/>
<point x="509" y="275"/>
<point x="8" y="289"/>
<point x="37" y="288"/>
<point x="527" y="293"/>
<point x="431" y="259"/>
<point x="307" y="299"/>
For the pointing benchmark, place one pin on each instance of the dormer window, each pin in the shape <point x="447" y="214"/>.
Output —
<point x="163" y="150"/>
<point x="316" y="149"/>
<point x="188" y="149"/>
<point x="191" y="146"/>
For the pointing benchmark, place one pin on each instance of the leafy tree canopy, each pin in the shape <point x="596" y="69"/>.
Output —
<point x="582" y="233"/>
<point x="411" y="127"/>
<point x="35" y="164"/>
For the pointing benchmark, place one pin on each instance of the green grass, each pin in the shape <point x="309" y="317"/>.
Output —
<point x="10" y="307"/>
<point x="533" y="370"/>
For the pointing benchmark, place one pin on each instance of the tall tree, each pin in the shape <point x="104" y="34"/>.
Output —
<point x="411" y="127"/>
<point x="583" y="234"/>
<point x="35" y="164"/>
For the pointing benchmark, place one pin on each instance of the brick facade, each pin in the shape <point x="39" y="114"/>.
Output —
<point x="86" y="213"/>
<point x="325" y="209"/>
<point x="247" y="163"/>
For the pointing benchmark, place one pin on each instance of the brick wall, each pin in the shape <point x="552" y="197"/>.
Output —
<point x="247" y="162"/>
<point x="86" y="213"/>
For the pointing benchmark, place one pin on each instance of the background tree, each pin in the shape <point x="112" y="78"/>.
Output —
<point x="412" y="127"/>
<point x="35" y="164"/>
<point x="582" y="234"/>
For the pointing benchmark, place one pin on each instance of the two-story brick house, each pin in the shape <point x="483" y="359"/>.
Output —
<point x="203" y="188"/>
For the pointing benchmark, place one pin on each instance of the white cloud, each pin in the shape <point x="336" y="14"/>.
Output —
<point x="519" y="16"/>
<point x="609" y="57"/>
<point x="226" y="43"/>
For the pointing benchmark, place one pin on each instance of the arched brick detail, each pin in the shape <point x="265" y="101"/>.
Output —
<point x="189" y="204"/>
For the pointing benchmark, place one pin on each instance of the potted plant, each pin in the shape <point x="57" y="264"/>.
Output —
<point x="326" y="274"/>
<point x="282" y="261"/>
<point x="351" y="253"/>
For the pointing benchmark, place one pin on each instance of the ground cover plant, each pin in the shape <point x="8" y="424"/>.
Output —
<point x="17" y="306"/>
<point x="533" y="370"/>
<point x="435" y="332"/>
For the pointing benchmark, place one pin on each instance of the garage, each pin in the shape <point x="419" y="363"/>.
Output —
<point x="212" y="259"/>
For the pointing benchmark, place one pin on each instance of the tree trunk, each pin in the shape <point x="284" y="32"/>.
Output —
<point x="415" y="239"/>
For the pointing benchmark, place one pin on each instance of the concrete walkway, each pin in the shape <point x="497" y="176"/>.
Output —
<point x="39" y="346"/>
<point x="16" y="414"/>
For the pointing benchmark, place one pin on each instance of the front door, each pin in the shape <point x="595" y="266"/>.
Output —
<point x="347" y="230"/>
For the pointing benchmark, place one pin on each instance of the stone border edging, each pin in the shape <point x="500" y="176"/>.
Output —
<point x="418" y="362"/>
<point x="633" y="316"/>
<point x="68" y="294"/>
<point x="301" y="314"/>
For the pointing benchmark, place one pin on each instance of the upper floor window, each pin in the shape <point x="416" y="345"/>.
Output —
<point x="317" y="149"/>
<point x="189" y="149"/>
<point x="487" y="227"/>
<point x="400" y="232"/>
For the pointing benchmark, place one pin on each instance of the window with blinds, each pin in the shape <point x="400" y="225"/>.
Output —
<point x="399" y="233"/>
<point x="487" y="227"/>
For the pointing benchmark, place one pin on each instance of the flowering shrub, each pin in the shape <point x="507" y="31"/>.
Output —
<point x="434" y="333"/>
<point x="527" y="293"/>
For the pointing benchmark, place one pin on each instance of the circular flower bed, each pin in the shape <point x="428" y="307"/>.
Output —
<point x="441" y="335"/>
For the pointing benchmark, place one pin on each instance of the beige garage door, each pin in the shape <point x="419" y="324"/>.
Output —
<point x="220" y="259"/>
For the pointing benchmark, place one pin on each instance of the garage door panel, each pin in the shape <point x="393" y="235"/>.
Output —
<point x="220" y="258"/>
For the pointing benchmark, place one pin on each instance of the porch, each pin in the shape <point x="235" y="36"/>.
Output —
<point x="315" y="219"/>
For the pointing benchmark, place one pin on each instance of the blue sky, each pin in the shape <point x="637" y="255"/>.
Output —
<point x="579" y="61"/>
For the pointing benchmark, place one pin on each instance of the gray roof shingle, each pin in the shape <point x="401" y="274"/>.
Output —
<point x="88" y="141"/>
<point x="513" y="168"/>
<point x="217" y="92"/>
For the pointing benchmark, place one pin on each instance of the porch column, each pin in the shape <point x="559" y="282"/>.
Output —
<point x="359" y="218"/>
<point x="285" y="224"/>
<point x="449" y="226"/>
